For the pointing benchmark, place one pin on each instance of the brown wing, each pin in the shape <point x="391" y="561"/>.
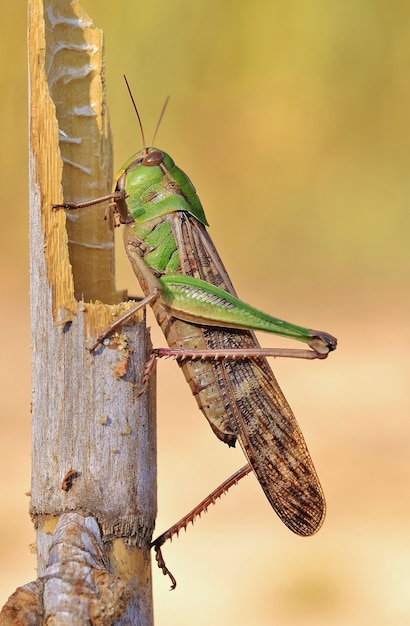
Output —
<point x="254" y="405"/>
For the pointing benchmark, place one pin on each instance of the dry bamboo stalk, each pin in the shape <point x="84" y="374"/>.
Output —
<point x="94" y="447"/>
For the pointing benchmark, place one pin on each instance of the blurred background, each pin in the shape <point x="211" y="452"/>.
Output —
<point x="293" y="121"/>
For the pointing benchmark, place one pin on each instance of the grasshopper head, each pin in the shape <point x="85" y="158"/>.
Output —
<point x="155" y="186"/>
<point x="147" y="157"/>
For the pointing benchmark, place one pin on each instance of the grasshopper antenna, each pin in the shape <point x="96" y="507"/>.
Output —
<point x="136" y="111"/>
<point x="161" y="115"/>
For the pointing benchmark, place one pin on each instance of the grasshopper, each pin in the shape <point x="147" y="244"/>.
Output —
<point x="211" y="331"/>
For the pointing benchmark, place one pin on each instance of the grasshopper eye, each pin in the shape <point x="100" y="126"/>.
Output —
<point x="155" y="157"/>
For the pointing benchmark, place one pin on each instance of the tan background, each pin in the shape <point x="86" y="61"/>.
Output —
<point x="293" y="121"/>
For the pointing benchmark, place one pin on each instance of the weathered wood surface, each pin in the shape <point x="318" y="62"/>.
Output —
<point x="94" y="439"/>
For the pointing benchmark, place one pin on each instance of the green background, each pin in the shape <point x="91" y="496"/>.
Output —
<point x="293" y="121"/>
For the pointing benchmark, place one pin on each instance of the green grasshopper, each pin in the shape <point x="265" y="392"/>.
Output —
<point x="210" y="331"/>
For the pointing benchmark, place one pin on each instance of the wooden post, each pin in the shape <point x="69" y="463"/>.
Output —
<point x="94" y="439"/>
